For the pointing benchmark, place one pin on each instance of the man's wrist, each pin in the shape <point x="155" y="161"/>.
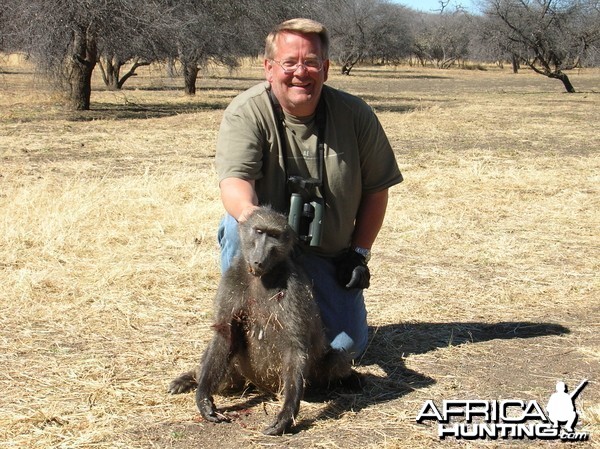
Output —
<point x="366" y="253"/>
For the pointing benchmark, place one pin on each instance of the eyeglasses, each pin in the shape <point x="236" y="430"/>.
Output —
<point x="289" y="67"/>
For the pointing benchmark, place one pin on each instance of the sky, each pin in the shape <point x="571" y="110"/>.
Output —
<point x="434" y="5"/>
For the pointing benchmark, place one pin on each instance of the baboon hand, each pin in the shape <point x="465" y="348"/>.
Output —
<point x="209" y="412"/>
<point x="278" y="427"/>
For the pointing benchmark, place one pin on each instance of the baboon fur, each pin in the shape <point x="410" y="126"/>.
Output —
<point x="267" y="327"/>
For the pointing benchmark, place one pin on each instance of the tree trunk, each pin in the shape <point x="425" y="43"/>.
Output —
<point x="566" y="81"/>
<point x="515" y="64"/>
<point x="190" y="75"/>
<point x="81" y="87"/>
<point x="110" y="72"/>
<point x="348" y="65"/>
<point x="113" y="70"/>
<point x="171" y="70"/>
<point x="131" y="72"/>
<point x="80" y="68"/>
<point x="557" y="74"/>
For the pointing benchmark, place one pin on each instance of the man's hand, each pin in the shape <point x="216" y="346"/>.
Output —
<point x="246" y="212"/>
<point x="352" y="270"/>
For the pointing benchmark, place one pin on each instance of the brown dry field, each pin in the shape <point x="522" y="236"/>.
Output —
<point x="485" y="275"/>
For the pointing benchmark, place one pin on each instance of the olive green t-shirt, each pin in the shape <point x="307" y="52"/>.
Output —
<point x="357" y="156"/>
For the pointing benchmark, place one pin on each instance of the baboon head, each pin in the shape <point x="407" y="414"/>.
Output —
<point x="266" y="240"/>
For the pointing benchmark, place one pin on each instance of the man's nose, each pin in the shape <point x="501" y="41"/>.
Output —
<point x="301" y="65"/>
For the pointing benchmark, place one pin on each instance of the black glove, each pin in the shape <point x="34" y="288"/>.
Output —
<point x="352" y="270"/>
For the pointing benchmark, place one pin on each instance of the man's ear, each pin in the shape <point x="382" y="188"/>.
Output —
<point x="268" y="70"/>
<point x="325" y="69"/>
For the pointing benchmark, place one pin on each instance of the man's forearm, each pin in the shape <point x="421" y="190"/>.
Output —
<point x="238" y="197"/>
<point x="369" y="218"/>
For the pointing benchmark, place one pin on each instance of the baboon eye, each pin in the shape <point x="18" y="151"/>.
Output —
<point x="270" y="233"/>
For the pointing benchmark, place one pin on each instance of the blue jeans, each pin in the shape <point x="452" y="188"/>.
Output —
<point x="343" y="311"/>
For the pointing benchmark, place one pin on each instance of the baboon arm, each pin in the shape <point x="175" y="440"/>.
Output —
<point x="213" y="369"/>
<point x="293" y="390"/>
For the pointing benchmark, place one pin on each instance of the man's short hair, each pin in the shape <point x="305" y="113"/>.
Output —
<point x="298" y="26"/>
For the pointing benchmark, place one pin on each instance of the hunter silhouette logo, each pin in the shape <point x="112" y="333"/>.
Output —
<point x="561" y="406"/>
<point x="508" y="419"/>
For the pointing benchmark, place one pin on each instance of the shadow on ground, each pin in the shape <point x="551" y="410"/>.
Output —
<point x="391" y="344"/>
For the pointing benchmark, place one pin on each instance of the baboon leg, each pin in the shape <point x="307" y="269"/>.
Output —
<point x="336" y="365"/>
<point x="293" y="390"/>
<point x="184" y="383"/>
<point x="213" y="369"/>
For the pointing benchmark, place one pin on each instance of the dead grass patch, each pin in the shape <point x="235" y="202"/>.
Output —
<point x="485" y="275"/>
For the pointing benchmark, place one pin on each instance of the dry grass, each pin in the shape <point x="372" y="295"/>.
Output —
<point x="486" y="277"/>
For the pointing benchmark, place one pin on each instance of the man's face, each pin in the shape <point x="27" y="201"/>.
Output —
<point x="298" y="92"/>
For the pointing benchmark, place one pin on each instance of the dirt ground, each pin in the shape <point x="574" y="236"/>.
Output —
<point x="414" y="362"/>
<point x="485" y="275"/>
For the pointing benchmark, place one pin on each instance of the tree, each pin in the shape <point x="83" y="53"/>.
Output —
<point x="362" y="29"/>
<point x="391" y="40"/>
<point x="550" y="36"/>
<point x="441" y="38"/>
<point x="67" y="37"/>
<point x="206" y="30"/>
<point x="137" y="37"/>
<point x="110" y="67"/>
<point x="70" y="38"/>
<point x="486" y="44"/>
<point x="221" y="31"/>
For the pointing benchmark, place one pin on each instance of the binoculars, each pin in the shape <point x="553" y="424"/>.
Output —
<point x="306" y="217"/>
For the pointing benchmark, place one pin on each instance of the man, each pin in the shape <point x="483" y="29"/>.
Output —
<point x="294" y="135"/>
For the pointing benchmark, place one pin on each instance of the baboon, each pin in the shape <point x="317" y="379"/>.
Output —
<point x="267" y="327"/>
